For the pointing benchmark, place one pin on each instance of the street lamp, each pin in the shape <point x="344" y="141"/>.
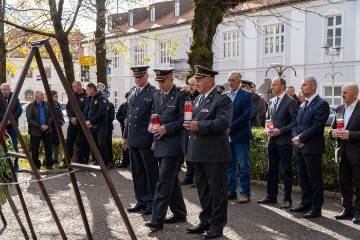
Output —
<point x="280" y="68"/>
<point x="334" y="51"/>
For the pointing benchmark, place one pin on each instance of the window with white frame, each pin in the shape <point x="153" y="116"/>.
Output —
<point x="333" y="30"/>
<point x="131" y="19"/>
<point x="231" y="44"/>
<point x="116" y="60"/>
<point x="116" y="99"/>
<point x="176" y="8"/>
<point x="152" y="13"/>
<point x="333" y="98"/>
<point x="140" y="51"/>
<point x="274" y="38"/>
<point x="110" y="23"/>
<point x="165" y="48"/>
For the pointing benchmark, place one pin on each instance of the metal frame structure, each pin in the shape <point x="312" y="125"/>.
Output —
<point x="70" y="165"/>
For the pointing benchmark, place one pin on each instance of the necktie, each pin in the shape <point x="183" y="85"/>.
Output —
<point x="199" y="100"/>
<point x="137" y="91"/>
<point x="276" y="104"/>
<point x="164" y="96"/>
<point x="303" y="109"/>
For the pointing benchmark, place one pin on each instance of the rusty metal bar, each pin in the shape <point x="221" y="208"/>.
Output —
<point x="90" y="140"/>
<point x="15" y="154"/>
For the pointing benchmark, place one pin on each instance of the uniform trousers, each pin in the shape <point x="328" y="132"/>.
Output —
<point x="211" y="184"/>
<point x="349" y="176"/>
<point x="168" y="191"/>
<point x="72" y="134"/>
<point x="145" y="173"/>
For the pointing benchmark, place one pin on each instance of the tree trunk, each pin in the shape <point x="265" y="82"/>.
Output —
<point x="208" y="15"/>
<point x="3" y="50"/>
<point x="101" y="61"/>
<point x="67" y="59"/>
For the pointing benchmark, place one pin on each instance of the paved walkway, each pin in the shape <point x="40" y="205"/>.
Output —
<point x="248" y="221"/>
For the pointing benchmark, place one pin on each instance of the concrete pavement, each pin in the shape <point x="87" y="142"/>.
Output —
<point x="245" y="221"/>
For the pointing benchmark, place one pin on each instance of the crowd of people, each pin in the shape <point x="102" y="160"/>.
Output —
<point x="213" y="141"/>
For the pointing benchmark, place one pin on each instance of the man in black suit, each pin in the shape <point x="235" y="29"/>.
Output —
<point x="137" y="138"/>
<point x="347" y="151"/>
<point x="308" y="137"/>
<point x="291" y="92"/>
<point x="169" y="103"/>
<point x="121" y="117"/>
<point x="282" y="112"/>
<point x="209" y="150"/>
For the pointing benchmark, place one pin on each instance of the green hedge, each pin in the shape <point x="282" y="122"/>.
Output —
<point x="259" y="156"/>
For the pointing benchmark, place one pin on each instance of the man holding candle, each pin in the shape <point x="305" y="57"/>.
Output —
<point x="168" y="105"/>
<point x="345" y="129"/>
<point x="281" y="112"/>
<point x="308" y="137"/>
<point x="209" y="150"/>
<point x="137" y="138"/>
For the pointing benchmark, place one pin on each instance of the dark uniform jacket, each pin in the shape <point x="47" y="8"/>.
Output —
<point x="211" y="142"/>
<point x="54" y="136"/>
<point x="121" y="114"/>
<point x="283" y="118"/>
<point x="98" y="105"/>
<point x="255" y="110"/>
<point x="33" y="118"/>
<point x="16" y="112"/>
<point x="80" y="99"/>
<point x="310" y="125"/>
<point x="352" y="145"/>
<point x="138" y="118"/>
<point x="111" y="115"/>
<point x="171" y="111"/>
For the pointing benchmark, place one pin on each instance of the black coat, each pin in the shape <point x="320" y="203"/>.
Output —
<point x="16" y="112"/>
<point x="98" y="105"/>
<point x="54" y="135"/>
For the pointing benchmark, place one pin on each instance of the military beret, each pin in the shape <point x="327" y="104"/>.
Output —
<point x="201" y="71"/>
<point x="253" y="85"/>
<point x="162" y="73"/>
<point x="139" y="71"/>
<point x="246" y="82"/>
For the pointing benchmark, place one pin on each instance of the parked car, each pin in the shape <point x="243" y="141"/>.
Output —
<point x="331" y="116"/>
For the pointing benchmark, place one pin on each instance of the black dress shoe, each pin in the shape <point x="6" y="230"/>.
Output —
<point x="231" y="196"/>
<point x="137" y="208"/>
<point x="300" y="208"/>
<point x="286" y="204"/>
<point x="313" y="213"/>
<point x="186" y="181"/>
<point x="346" y="213"/>
<point x="154" y="226"/>
<point x="356" y="218"/>
<point x="175" y="219"/>
<point x="212" y="234"/>
<point x="147" y="211"/>
<point x="201" y="228"/>
<point x="267" y="200"/>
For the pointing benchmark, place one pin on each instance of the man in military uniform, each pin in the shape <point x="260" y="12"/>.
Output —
<point x="137" y="138"/>
<point x="74" y="128"/>
<point x="111" y="117"/>
<point x="96" y="119"/>
<point x="209" y="150"/>
<point x="121" y="117"/>
<point x="169" y="103"/>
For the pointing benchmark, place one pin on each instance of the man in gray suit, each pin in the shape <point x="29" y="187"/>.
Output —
<point x="281" y="112"/>
<point x="137" y="138"/>
<point x="169" y="103"/>
<point x="209" y="150"/>
<point x="347" y="151"/>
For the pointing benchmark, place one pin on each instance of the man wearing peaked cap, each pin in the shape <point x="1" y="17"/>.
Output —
<point x="169" y="104"/>
<point x="140" y="70"/>
<point x="201" y="71"/>
<point x="209" y="150"/>
<point x="137" y="138"/>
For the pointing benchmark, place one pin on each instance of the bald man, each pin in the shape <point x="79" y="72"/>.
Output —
<point x="347" y="151"/>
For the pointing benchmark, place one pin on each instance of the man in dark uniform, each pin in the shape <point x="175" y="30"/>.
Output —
<point x="121" y="117"/>
<point x="16" y="112"/>
<point x="169" y="103"/>
<point x="248" y="85"/>
<point x="111" y="117"/>
<point x="74" y="128"/>
<point x="144" y="167"/>
<point x="96" y="119"/>
<point x="209" y="150"/>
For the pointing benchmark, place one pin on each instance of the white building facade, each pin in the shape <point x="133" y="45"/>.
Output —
<point x="248" y="43"/>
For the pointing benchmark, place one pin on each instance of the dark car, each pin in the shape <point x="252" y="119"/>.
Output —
<point x="331" y="116"/>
